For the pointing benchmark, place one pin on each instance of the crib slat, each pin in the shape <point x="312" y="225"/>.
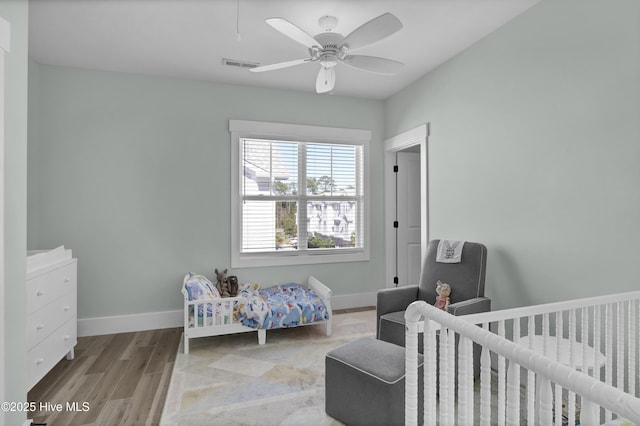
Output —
<point x="531" y="378"/>
<point x="452" y="374"/>
<point x="485" y="384"/>
<point x="571" y="399"/>
<point x="430" y="368"/>
<point x="609" y="351"/>
<point x="589" y="312"/>
<point x="589" y="415"/>
<point x="545" y="332"/>
<point x="465" y="380"/>
<point x="544" y="415"/>
<point x="502" y="393"/>
<point x="631" y="352"/>
<point x="470" y="374"/>
<point x="584" y="328"/>
<point x="411" y="375"/>
<point x="558" y="389"/>
<point x="546" y="401"/>
<point x="597" y="343"/>
<point x="513" y="393"/>
<point x="444" y="382"/>
<point x="513" y="382"/>
<point x="620" y="345"/>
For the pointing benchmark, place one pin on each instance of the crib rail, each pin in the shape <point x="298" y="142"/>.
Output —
<point x="582" y="354"/>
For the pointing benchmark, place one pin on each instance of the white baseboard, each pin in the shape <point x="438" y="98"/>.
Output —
<point x="169" y="319"/>
<point x="128" y="323"/>
<point x="358" y="300"/>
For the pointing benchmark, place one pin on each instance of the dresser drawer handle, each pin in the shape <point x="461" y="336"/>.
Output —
<point x="67" y="308"/>
<point x="39" y="361"/>
<point x="39" y="326"/>
<point x="40" y="293"/>
<point x="67" y="280"/>
<point x="67" y="337"/>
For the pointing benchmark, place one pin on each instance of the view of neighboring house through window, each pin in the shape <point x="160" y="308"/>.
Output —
<point x="278" y="213"/>
<point x="300" y="197"/>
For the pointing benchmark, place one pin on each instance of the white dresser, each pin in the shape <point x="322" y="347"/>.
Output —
<point x="51" y="310"/>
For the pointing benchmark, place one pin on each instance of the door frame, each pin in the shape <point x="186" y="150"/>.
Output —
<point x="5" y="40"/>
<point x="416" y="136"/>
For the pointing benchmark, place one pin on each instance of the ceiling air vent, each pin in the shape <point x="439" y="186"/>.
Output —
<point x="240" y="64"/>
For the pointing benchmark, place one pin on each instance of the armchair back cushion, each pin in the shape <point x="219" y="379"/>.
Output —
<point x="465" y="278"/>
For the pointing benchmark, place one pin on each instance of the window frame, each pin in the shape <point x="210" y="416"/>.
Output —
<point x="241" y="129"/>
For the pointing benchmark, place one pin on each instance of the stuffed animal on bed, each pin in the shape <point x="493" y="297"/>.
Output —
<point x="233" y="285"/>
<point x="442" y="299"/>
<point x="221" y="283"/>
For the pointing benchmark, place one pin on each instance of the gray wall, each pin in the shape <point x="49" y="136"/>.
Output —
<point x="15" y="205"/>
<point x="133" y="174"/>
<point x="535" y="151"/>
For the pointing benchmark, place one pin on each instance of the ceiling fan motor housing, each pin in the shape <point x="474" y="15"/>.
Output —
<point x="332" y="49"/>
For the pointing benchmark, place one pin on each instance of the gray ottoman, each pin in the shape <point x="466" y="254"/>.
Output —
<point x="364" y="383"/>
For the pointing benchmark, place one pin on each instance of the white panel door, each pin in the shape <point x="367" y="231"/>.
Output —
<point x="408" y="217"/>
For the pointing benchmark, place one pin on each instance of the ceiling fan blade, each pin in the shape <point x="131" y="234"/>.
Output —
<point x="373" y="64"/>
<point x="279" y="65"/>
<point x="326" y="80"/>
<point x="293" y="32"/>
<point x="374" y="30"/>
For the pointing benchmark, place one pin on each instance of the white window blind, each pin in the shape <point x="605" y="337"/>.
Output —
<point x="299" y="198"/>
<point x="278" y="213"/>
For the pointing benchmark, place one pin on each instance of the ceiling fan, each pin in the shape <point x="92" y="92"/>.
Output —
<point x="329" y="48"/>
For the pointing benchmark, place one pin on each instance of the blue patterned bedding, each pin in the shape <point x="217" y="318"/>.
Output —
<point x="287" y="305"/>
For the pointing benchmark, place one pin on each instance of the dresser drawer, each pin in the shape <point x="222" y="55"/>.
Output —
<point x="44" y="356"/>
<point x="44" y="321"/>
<point x="45" y="288"/>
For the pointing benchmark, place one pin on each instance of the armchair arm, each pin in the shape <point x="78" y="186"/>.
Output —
<point x="470" y="306"/>
<point x="395" y="299"/>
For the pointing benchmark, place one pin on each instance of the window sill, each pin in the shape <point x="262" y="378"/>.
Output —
<point x="282" y="259"/>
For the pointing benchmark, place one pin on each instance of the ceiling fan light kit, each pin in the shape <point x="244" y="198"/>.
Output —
<point x="329" y="48"/>
<point x="328" y="23"/>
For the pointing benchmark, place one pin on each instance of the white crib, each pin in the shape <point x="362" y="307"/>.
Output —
<point x="581" y="353"/>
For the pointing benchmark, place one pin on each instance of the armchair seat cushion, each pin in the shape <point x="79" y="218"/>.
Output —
<point x="391" y="328"/>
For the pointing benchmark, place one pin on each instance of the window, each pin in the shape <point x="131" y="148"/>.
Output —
<point x="299" y="194"/>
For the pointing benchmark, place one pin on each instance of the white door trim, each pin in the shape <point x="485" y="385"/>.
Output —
<point x="416" y="136"/>
<point x="5" y="40"/>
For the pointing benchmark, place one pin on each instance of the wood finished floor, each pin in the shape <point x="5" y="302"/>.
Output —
<point x="123" y="377"/>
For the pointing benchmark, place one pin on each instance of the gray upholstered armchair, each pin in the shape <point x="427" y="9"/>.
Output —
<point x="467" y="290"/>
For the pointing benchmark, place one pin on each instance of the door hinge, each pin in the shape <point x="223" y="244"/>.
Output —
<point x="395" y="224"/>
<point x="396" y="281"/>
<point x="395" y="169"/>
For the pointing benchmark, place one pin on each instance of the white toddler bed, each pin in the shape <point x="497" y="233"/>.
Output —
<point x="253" y="310"/>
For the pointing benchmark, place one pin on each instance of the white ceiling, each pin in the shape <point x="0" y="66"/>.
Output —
<point x="189" y="38"/>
